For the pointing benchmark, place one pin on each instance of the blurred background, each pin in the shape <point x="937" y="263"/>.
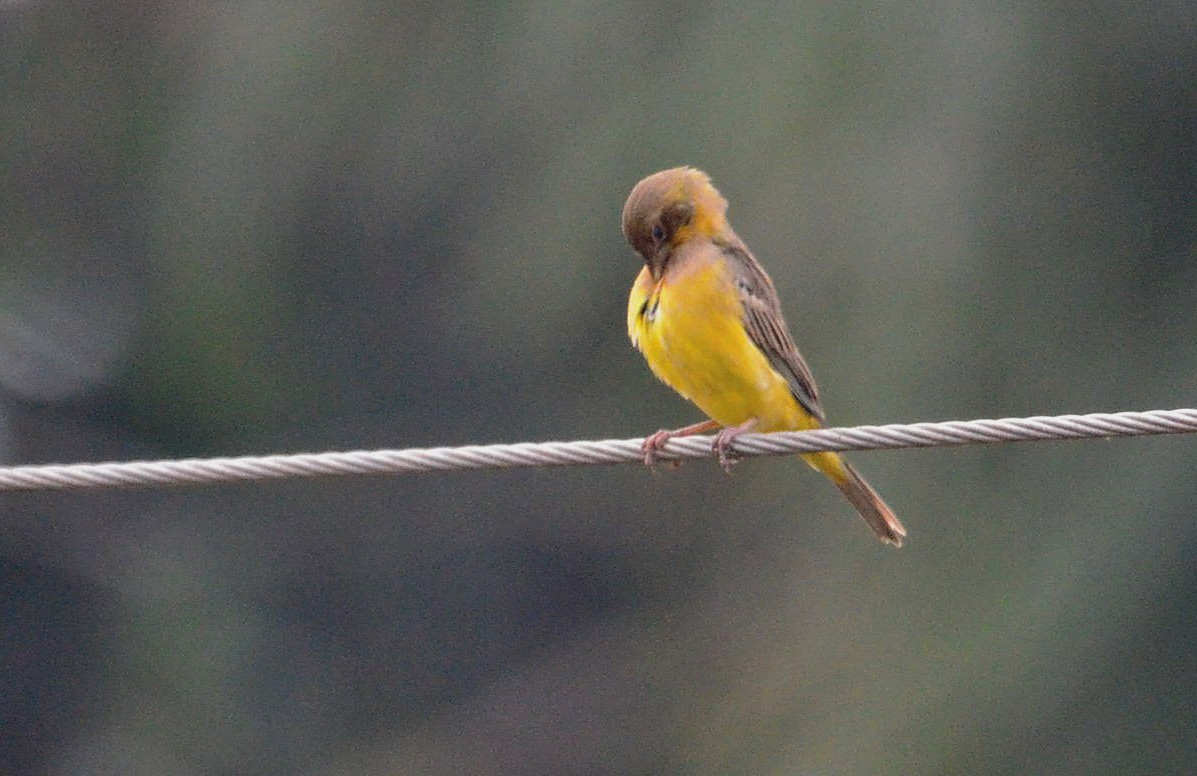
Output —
<point x="278" y="227"/>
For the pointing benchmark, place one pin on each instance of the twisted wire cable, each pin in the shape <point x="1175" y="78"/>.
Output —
<point x="580" y="453"/>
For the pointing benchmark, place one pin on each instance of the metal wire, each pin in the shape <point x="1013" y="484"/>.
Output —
<point x="580" y="453"/>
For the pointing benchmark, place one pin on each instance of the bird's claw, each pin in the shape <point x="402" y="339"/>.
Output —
<point x="722" y="447"/>
<point x="653" y="445"/>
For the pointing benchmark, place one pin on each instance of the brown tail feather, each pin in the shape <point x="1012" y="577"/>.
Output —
<point x="880" y="517"/>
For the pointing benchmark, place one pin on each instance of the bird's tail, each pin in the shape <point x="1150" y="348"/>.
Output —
<point x="861" y="495"/>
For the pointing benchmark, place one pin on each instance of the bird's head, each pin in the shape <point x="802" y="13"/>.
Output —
<point x="669" y="208"/>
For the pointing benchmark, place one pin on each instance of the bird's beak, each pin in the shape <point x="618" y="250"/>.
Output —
<point x="657" y="262"/>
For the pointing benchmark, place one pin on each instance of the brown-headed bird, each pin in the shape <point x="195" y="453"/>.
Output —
<point x="705" y="315"/>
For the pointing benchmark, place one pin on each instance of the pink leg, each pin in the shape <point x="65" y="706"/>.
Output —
<point x="656" y="442"/>
<point x="727" y="456"/>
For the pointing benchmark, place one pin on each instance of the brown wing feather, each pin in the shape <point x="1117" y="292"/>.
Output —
<point x="767" y="328"/>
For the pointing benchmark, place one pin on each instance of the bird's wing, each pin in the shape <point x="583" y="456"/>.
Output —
<point x="767" y="328"/>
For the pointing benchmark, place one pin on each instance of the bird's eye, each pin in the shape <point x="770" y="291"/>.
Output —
<point x="658" y="232"/>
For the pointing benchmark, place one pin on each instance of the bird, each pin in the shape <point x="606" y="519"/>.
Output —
<point x="706" y="317"/>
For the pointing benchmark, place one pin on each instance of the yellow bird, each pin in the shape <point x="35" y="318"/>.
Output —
<point x="705" y="315"/>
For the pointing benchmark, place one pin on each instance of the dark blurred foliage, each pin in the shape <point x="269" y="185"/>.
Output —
<point x="270" y="227"/>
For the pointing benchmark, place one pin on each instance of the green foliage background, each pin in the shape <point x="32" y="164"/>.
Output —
<point x="266" y="227"/>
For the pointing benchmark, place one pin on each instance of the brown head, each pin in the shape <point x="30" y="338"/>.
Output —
<point x="667" y="209"/>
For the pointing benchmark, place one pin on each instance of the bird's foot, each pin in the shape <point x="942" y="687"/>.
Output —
<point x="722" y="445"/>
<point x="655" y="443"/>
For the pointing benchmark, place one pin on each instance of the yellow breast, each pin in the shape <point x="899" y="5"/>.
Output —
<point x="689" y="327"/>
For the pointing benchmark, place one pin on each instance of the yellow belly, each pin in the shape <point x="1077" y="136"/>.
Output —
<point x="688" y="326"/>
